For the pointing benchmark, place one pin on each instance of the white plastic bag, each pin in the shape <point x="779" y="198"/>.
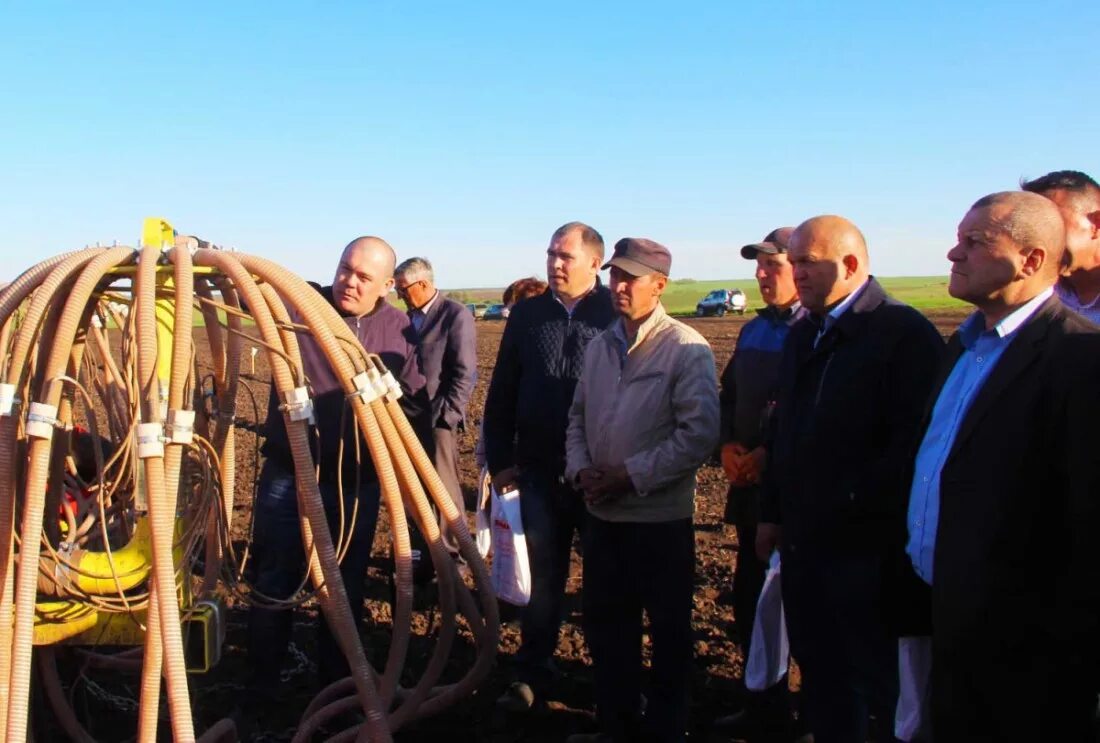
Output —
<point x="511" y="569"/>
<point x="770" y="652"/>
<point x="911" y="721"/>
<point x="483" y="523"/>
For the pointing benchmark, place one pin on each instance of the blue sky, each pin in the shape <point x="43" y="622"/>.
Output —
<point x="466" y="132"/>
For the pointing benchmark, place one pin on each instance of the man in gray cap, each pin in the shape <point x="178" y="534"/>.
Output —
<point x="644" y="418"/>
<point x="748" y="386"/>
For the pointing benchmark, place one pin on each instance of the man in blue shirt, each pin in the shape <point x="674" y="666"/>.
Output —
<point x="1078" y="198"/>
<point x="1003" y="509"/>
<point x="852" y="385"/>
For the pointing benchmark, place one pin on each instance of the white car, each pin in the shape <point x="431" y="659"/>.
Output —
<point x="721" y="301"/>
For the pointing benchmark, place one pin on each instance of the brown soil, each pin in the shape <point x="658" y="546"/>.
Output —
<point x="224" y="692"/>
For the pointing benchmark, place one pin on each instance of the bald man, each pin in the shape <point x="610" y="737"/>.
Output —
<point x="364" y="277"/>
<point x="852" y="384"/>
<point x="1077" y="197"/>
<point x="1003" y="512"/>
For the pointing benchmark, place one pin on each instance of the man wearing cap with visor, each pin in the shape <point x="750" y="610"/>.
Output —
<point x="748" y="386"/>
<point x="645" y="416"/>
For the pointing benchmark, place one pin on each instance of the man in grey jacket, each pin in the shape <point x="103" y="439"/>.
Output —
<point x="446" y="345"/>
<point x="645" y="416"/>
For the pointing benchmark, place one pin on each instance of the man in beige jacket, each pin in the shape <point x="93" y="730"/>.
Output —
<point x="645" y="416"/>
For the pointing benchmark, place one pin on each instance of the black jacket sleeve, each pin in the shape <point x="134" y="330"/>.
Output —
<point x="498" y="428"/>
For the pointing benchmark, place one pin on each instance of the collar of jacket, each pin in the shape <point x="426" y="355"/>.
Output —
<point x="868" y="301"/>
<point x="774" y="315"/>
<point x="549" y="293"/>
<point x="657" y="317"/>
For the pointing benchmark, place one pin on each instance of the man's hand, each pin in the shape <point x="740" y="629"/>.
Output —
<point x="767" y="540"/>
<point x="752" y="466"/>
<point x="731" y="461"/>
<point x="589" y="479"/>
<point x="505" y="480"/>
<point x="607" y="485"/>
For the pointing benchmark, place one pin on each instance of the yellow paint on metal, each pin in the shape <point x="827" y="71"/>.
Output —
<point x="158" y="232"/>
<point x="56" y="621"/>
<point x="132" y="564"/>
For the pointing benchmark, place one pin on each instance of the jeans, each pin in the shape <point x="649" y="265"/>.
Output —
<point x="279" y="562"/>
<point x="552" y="511"/>
<point x="628" y="568"/>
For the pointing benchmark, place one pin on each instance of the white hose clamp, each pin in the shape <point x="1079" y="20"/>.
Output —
<point x="393" y="389"/>
<point x="298" y="406"/>
<point x="41" y="420"/>
<point x="149" y="440"/>
<point x="179" y="426"/>
<point x="364" y="388"/>
<point x="7" y="399"/>
<point x="380" y="387"/>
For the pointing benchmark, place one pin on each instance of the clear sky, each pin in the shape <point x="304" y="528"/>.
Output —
<point x="466" y="132"/>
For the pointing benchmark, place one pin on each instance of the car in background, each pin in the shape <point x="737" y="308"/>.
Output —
<point x="721" y="301"/>
<point x="477" y="310"/>
<point x="496" y="312"/>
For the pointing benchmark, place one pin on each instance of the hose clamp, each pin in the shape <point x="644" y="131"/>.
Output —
<point x="379" y="384"/>
<point x="8" y="400"/>
<point x="179" y="426"/>
<point x="364" y="389"/>
<point x="298" y="406"/>
<point x="149" y="440"/>
<point x="393" y="389"/>
<point x="41" y="420"/>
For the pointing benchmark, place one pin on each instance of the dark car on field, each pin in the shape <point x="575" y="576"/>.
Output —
<point x="496" y="312"/>
<point x="721" y="301"/>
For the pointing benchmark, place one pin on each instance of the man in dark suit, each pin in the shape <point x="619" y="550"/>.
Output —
<point x="853" y="382"/>
<point x="446" y="345"/>
<point x="1004" y="508"/>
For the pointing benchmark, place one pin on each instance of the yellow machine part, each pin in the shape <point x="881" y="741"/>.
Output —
<point x="131" y="564"/>
<point x="56" y="621"/>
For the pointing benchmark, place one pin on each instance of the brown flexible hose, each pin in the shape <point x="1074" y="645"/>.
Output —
<point x="26" y="579"/>
<point x="162" y="517"/>
<point x="332" y="592"/>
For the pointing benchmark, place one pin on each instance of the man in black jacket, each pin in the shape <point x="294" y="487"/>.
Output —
<point x="1004" y="509"/>
<point x="853" y="382"/>
<point x="748" y="397"/>
<point x="526" y="414"/>
<point x="446" y="344"/>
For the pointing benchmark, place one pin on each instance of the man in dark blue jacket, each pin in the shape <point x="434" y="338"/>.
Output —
<point x="526" y="414"/>
<point x="363" y="279"/>
<point x="748" y="397"/>
<point x="853" y="383"/>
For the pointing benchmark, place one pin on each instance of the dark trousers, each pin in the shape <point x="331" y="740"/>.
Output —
<point x="748" y="582"/>
<point x="839" y="636"/>
<point x="279" y="562"/>
<point x="1011" y="693"/>
<point x="552" y="512"/>
<point x="446" y="464"/>
<point x="628" y="568"/>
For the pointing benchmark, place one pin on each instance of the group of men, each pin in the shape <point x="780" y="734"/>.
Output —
<point x="943" y="495"/>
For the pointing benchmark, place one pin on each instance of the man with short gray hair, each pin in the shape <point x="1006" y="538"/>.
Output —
<point x="446" y="344"/>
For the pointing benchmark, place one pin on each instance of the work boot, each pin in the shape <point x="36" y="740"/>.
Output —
<point x="519" y="697"/>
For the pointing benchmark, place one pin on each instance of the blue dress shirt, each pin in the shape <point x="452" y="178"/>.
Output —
<point x="981" y="350"/>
